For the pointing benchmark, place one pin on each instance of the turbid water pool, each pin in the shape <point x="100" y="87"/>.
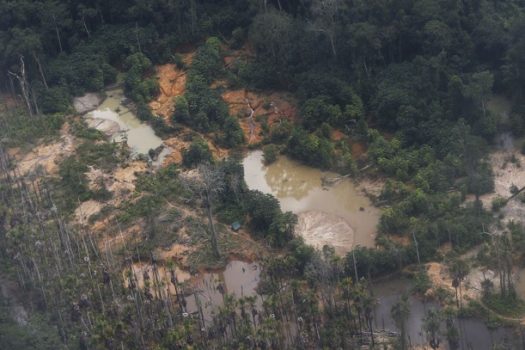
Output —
<point x="117" y="121"/>
<point x="340" y="215"/>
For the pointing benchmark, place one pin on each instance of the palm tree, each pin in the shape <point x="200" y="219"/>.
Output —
<point x="432" y="327"/>
<point x="459" y="269"/>
<point x="400" y="312"/>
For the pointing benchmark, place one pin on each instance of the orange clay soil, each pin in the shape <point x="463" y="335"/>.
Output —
<point x="178" y="145"/>
<point x="242" y="103"/>
<point x="172" y="83"/>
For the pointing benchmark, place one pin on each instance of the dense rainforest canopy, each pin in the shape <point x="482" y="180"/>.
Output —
<point x="410" y="80"/>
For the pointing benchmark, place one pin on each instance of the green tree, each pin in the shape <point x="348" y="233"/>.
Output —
<point x="400" y="312"/>
<point x="198" y="152"/>
<point x="432" y="327"/>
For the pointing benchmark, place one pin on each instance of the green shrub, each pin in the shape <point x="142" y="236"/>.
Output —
<point x="198" y="152"/>
<point x="231" y="134"/>
<point x="182" y="112"/>
<point x="498" y="203"/>
<point x="270" y="153"/>
<point x="238" y="37"/>
<point x="178" y="61"/>
<point x="144" y="112"/>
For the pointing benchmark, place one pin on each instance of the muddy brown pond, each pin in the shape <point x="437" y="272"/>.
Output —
<point x="339" y="215"/>
<point x="118" y="122"/>
<point x="204" y="289"/>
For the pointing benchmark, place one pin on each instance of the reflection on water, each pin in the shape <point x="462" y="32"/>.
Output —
<point x="238" y="278"/>
<point x="474" y="333"/>
<point x="206" y="289"/>
<point x="299" y="189"/>
<point x="140" y="137"/>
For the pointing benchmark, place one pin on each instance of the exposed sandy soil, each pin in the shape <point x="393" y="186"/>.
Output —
<point x="108" y="127"/>
<point x="506" y="174"/>
<point x="87" y="103"/>
<point x="172" y="82"/>
<point x="372" y="187"/>
<point x="337" y="135"/>
<point x="85" y="210"/>
<point x="232" y="56"/>
<point x="120" y="182"/>
<point x="177" y="252"/>
<point x="177" y="146"/>
<point x="142" y="270"/>
<point x="47" y="156"/>
<point x="319" y="229"/>
<point x="241" y="102"/>
<point x="471" y="285"/>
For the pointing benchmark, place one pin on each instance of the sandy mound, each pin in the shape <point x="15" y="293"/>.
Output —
<point x="87" y="103"/>
<point x="48" y="156"/>
<point x="108" y="127"/>
<point x="319" y="229"/>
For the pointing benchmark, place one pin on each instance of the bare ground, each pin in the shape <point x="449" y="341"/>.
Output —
<point x="47" y="156"/>
<point x="319" y="229"/>
<point x="275" y="106"/>
<point x="87" y="103"/>
<point x="172" y="82"/>
<point x="509" y="169"/>
<point x="471" y="285"/>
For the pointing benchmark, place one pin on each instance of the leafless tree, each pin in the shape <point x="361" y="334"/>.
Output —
<point x="325" y="19"/>
<point x="207" y="185"/>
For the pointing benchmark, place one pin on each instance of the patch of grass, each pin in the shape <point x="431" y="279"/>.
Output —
<point x="475" y="310"/>
<point x="509" y="306"/>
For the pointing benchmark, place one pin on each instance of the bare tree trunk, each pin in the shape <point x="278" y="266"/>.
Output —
<point x="22" y="80"/>
<point x="332" y="44"/>
<point x="40" y="70"/>
<point x="58" y="34"/>
<point x="213" y="232"/>
<point x="35" y="103"/>
<point x="85" y="27"/>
